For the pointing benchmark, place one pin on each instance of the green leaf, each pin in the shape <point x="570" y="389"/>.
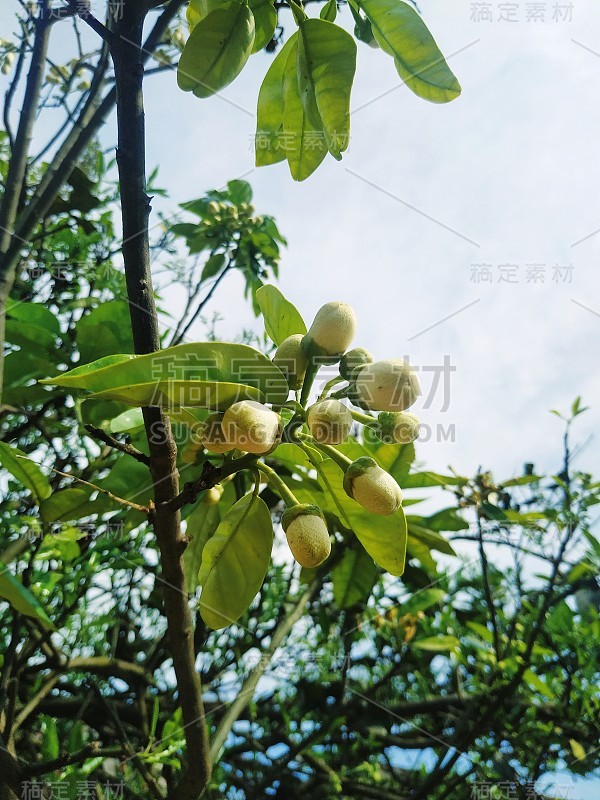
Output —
<point x="577" y="749"/>
<point x="199" y="9"/>
<point x="239" y="191"/>
<point x="217" y="50"/>
<point x="326" y="67"/>
<point x="433" y="540"/>
<point x="446" y="520"/>
<point x="291" y="456"/>
<point x="329" y="11"/>
<point x="196" y="361"/>
<point x="384" y="538"/>
<point x="523" y="480"/>
<point x="68" y="504"/>
<point x="235" y="561"/>
<point x="104" y="331"/>
<point x="26" y="335"/>
<point x="304" y="142"/>
<point x="213" y="266"/>
<point x="128" y="422"/>
<point x="419" y="480"/>
<point x="269" y="120"/>
<point x="50" y="743"/>
<point x="354" y="577"/>
<point x="438" y="644"/>
<point x="76" y="738"/>
<point x="33" y="314"/>
<point x="265" y="22"/>
<point x="21" y="598"/>
<point x="185" y="229"/>
<point x="534" y="680"/>
<point x="174" y="394"/>
<point x="493" y="512"/>
<point x="25" y="471"/>
<point x="421" y="601"/>
<point x="400" y="32"/>
<point x="201" y="525"/>
<point x="282" y="318"/>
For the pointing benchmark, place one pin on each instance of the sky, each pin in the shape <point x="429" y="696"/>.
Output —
<point x="465" y="234"/>
<point x="427" y="201"/>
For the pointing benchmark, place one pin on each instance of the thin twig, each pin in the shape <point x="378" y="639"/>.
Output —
<point x="129" y="449"/>
<point x="128" y="503"/>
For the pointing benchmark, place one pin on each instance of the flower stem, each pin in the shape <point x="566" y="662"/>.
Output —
<point x="329" y="385"/>
<point x="309" y="379"/>
<point x="282" y="490"/>
<point x="340" y="459"/>
<point x="364" y="419"/>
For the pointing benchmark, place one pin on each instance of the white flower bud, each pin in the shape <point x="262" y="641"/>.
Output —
<point x="307" y="534"/>
<point x="372" y="487"/>
<point x="332" y="331"/>
<point x="291" y="360"/>
<point x="397" y="427"/>
<point x="252" y="426"/>
<point x="329" y="421"/>
<point x="386" y="386"/>
<point x="214" y="438"/>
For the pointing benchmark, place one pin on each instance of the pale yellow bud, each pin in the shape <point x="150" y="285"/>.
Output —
<point x="292" y="360"/>
<point x="386" y="386"/>
<point x="214" y="438"/>
<point x="332" y="331"/>
<point x="307" y="534"/>
<point x="329" y="421"/>
<point x="252" y="426"/>
<point x="372" y="487"/>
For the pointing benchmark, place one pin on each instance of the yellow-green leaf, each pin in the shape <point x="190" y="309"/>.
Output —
<point x="235" y="561"/>
<point x="401" y="33"/>
<point x="195" y="361"/>
<point x="303" y="141"/>
<point x="282" y="318"/>
<point x="174" y="394"/>
<point x="25" y="472"/>
<point x="269" y="114"/>
<point x="577" y="749"/>
<point x="438" y="644"/>
<point x="326" y="67"/>
<point x="217" y="50"/>
<point x="265" y="22"/>
<point x="21" y="598"/>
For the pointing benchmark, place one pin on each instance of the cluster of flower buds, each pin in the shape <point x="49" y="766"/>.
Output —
<point x="387" y="387"/>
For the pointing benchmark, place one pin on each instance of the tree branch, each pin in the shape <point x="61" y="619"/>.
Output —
<point x="17" y="168"/>
<point x="82" y="10"/>
<point x="129" y="449"/>
<point x="91" y="750"/>
<point x="128" y="59"/>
